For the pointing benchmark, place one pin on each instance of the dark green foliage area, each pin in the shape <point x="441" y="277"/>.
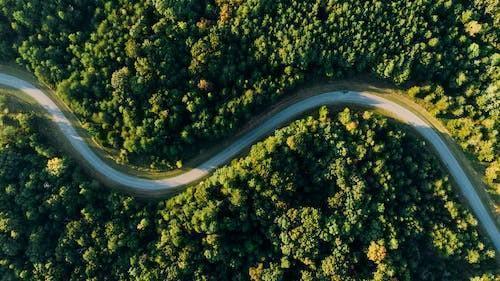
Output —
<point x="151" y="78"/>
<point x="6" y="39"/>
<point x="55" y="222"/>
<point x="347" y="196"/>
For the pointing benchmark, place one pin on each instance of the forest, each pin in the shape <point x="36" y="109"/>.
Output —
<point x="325" y="198"/>
<point x="155" y="78"/>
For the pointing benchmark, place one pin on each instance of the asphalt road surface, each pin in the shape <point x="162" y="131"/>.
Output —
<point x="166" y="185"/>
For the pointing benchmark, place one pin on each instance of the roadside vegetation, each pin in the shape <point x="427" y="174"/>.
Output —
<point x="158" y="80"/>
<point x="339" y="196"/>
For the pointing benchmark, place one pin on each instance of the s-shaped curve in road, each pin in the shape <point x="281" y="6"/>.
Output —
<point x="148" y="186"/>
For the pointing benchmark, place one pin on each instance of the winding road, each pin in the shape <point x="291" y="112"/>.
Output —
<point x="148" y="186"/>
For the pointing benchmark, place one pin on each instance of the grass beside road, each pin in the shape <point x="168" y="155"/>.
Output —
<point x="110" y="156"/>
<point x="362" y="83"/>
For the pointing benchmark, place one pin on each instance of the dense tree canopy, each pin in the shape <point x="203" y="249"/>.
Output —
<point x="345" y="196"/>
<point x="6" y="51"/>
<point x="152" y="77"/>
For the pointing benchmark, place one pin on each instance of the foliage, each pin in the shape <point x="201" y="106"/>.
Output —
<point x="345" y="196"/>
<point x="151" y="78"/>
<point x="6" y="34"/>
